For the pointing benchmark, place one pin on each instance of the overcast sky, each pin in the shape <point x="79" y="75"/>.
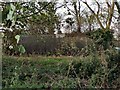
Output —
<point x="83" y="6"/>
<point x="63" y="10"/>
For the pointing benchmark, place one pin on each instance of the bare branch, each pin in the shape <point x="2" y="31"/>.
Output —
<point x="89" y="7"/>
<point x="35" y="12"/>
<point x="107" y="4"/>
<point x="118" y="6"/>
<point x="110" y="14"/>
<point x="96" y="15"/>
<point x="59" y="7"/>
<point x="98" y="7"/>
<point x="79" y="6"/>
<point x="70" y="9"/>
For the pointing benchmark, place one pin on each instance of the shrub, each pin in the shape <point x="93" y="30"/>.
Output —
<point x="102" y="38"/>
<point x="113" y="59"/>
<point x="86" y="67"/>
<point x="82" y="72"/>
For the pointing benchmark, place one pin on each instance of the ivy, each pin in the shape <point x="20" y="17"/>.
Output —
<point x="102" y="38"/>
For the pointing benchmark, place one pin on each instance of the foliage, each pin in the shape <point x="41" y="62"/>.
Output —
<point x="21" y="49"/>
<point x="69" y="48"/>
<point x="102" y="38"/>
<point x="98" y="63"/>
<point x="11" y="36"/>
<point x="61" y="72"/>
<point x="113" y="64"/>
<point x="30" y="73"/>
<point x="86" y="67"/>
<point x="50" y="45"/>
<point x="16" y="21"/>
<point x="17" y="37"/>
<point x="11" y="45"/>
<point x="44" y="22"/>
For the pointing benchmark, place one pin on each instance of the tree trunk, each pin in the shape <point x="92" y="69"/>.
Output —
<point x="77" y="18"/>
<point x="110" y="15"/>
<point x="79" y="28"/>
<point x="89" y="26"/>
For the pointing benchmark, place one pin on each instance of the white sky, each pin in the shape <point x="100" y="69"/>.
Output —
<point x="90" y="2"/>
<point x="62" y="10"/>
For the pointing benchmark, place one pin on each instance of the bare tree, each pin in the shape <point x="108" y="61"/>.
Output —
<point x="76" y="12"/>
<point x="110" y="9"/>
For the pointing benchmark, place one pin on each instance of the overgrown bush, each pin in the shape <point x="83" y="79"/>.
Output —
<point x="99" y="71"/>
<point x="81" y="72"/>
<point x="86" y="67"/>
<point x="50" y="45"/>
<point x="96" y="70"/>
<point x="102" y="38"/>
<point x="69" y="49"/>
<point x="11" y="44"/>
<point x="113" y="59"/>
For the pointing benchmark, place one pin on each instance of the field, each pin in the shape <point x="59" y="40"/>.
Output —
<point x="60" y="72"/>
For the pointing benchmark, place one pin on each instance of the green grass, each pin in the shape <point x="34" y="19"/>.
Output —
<point x="21" y="70"/>
<point x="56" y="72"/>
